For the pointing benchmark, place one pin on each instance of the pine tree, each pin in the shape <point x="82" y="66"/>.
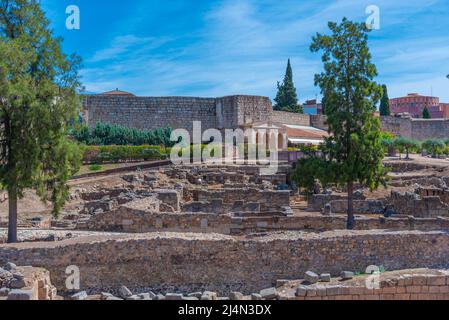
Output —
<point x="286" y="98"/>
<point x="38" y="85"/>
<point x="385" y="103"/>
<point x="353" y="153"/>
<point x="426" y="113"/>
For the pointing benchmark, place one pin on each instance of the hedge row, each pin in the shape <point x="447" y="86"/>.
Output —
<point x="115" y="154"/>
<point x="110" y="134"/>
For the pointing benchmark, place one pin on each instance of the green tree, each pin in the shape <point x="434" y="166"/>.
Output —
<point x="426" y="113"/>
<point x="287" y="98"/>
<point x="406" y="144"/>
<point x="353" y="151"/>
<point x="385" y="102"/>
<point x="433" y="146"/>
<point x="38" y="85"/>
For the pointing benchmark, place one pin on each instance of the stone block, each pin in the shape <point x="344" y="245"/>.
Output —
<point x="436" y="281"/>
<point x="269" y="293"/>
<point x="325" y="277"/>
<point x="173" y="296"/>
<point x="333" y="290"/>
<point x="4" y="292"/>
<point x="79" y="296"/>
<point x="311" y="277"/>
<point x="301" y="291"/>
<point x="236" y="296"/>
<point x="413" y="289"/>
<point x="124" y="292"/>
<point x="256" y="296"/>
<point x="18" y="294"/>
<point x="419" y="280"/>
<point x="347" y="275"/>
<point x="195" y="294"/>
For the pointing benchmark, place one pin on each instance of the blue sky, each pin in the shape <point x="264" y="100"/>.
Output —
<point x="216" y="48"/>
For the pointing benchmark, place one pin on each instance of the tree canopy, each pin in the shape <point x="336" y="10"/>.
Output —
<point x="287" y="98"/>
<point x="385" y="102"/>
<point x="38" y="98"/>
<point x="353" y="152"/>
<point x="426" y="113"/>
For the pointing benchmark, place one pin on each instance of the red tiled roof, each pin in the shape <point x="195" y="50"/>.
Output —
<point x="306" y="133"/>
<point x="118" y="93"/>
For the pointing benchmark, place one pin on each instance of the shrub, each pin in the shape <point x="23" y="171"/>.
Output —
<point x="95" y="167"/>
<point x="110" y="134"/>
<point x="308" y="149"/>
<point x="114" y="154"/>
<point x="434" y="147"/>
<point x="409" y="145"/>
<point x="388" y="146"/>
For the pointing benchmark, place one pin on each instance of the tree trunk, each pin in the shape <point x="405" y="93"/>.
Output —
<point x="351" y="222"/>
<point x="12" y="222"/>
<point x="391" y="152"/>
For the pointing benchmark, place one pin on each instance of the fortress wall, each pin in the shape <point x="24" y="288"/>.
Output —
<point x="419" y="129"/>
<point x="176" y="112"/>
<point x="423" y="129"/>
<point x="151" y="113"/>
<point x="291" y="118"/>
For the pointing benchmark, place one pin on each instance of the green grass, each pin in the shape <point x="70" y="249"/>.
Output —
<point x="95" y="167"/>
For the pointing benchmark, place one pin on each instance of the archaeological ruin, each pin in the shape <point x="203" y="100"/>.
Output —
<point x="230" y="231"/>
<point x="215" y="232"/>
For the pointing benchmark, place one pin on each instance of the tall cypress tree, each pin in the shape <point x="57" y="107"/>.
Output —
<point x="426" y="113"/>
<point x="287" y="98"/>
<point x="385" y="102"/>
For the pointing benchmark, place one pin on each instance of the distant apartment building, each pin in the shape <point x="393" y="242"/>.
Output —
<point x="415" y="103"/>
<point x="311" y="107"/>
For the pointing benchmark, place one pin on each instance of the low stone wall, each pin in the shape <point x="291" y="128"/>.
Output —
<point x="190" y="262"/>
<point x="269" y="200"/>
<point x="412" y="203"/>
<point x="328" y="223"/>
<point x="360" y="206"/>
<point x="421" y="284"/>
<point x="318" y="201"/>
<point x="130" y="220"/>
<point x="137" y="220"/>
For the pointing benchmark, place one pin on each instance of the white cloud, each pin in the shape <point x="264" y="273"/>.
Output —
<point x="243" y="47"/>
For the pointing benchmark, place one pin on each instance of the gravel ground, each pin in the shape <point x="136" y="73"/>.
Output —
<point x="32" y="235"/>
